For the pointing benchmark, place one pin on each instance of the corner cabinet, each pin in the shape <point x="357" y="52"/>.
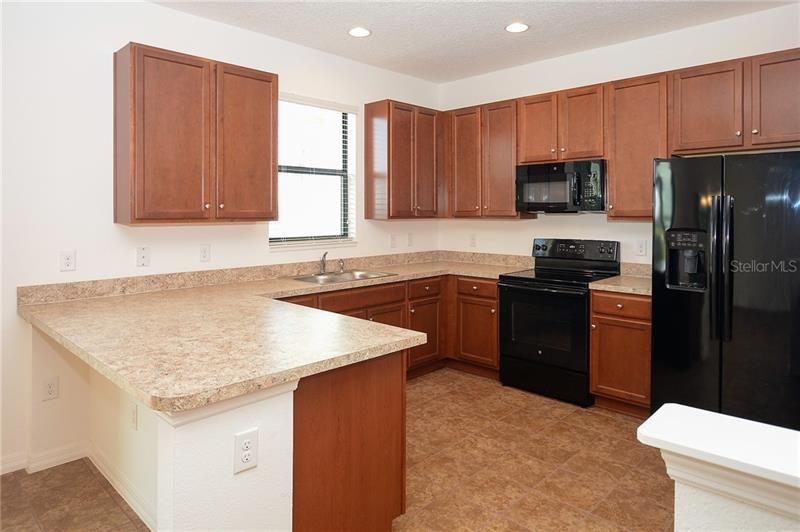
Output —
<point x="401" y="160"/>
<point x="194" y="140"/>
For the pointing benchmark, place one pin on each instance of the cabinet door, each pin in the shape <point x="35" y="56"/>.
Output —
<point x="310" y="300"/>
<point x="423" y="316"/>
<point x="389" y="314"/>
<point x="357" y="313"/>
<point x="775" y="98"/>
<point x="467" y="162"/>
<point x="477" y="331"/>
<point x="172" y="145"/>
<point x="706" y="107"/>
<point x="499" y="126"/>
<point x="580" y="123"/>
<point x="425" y="131"/>
<point x="401" y="160"/>
<point x="620" y="359"/>
<point x="636" y="133"/>
<point x="246" y="150"/>
<point x="537" y="129"/>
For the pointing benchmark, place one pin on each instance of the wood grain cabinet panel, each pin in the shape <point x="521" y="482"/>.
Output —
<point x="246" y="148"/>
<point x="310" y="300"/>
<point x="477" y="331"/>
<point x="620" y="359"/>
<point x="580" y="123"/>
<point x="467" y="167"/>
<point x="537" y="129"/>
<point x="424" y="315"/>
<point x="183" y="155"/>
<point x="388" y="314"/>
<point x="775" y="98"/>
<point x="401" y="156"/>
<point x="499" y="146"/>
<point x="636" y="133"/>
<point x="706" y="107"/>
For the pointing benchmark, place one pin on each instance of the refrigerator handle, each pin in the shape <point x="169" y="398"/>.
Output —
<point x="713" y="265"/>
<point x="727" y="274"/>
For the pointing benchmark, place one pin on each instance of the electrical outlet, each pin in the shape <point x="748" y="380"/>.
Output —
<point x="51" y="389"/>
<point x="392" y="241"/>
<point x="245" y="450"/>
<point x="142" y="257"/>
<point x="473" y="240"/>
<point x="641" y="248"/>
<point x="205" y="253"/>
<point x="66" y="261"/>
<point x="135" y="416"/>
<point x="410" y="239"/>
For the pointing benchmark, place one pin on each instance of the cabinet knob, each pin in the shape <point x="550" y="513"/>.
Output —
<point x="372" y="319"/>
<point x="485" y="207"/>
<point x="427" y="288"/>
<point x="412" y="311"/>
<point x="221" y="205"/>
<point x="594" y="326"/>
<point x="754" y="132"/>
<point x="477" y="207"/>
<point x="493" y="311"/>
<point x="619" y="306"/>
<point x="610" y="207"/>
<point x="563" y="149"/>
<point x="207" y="205"/>
<point x="474" y="287"/>
<point x="738" y="133"/>
<point x="552" y="150"/>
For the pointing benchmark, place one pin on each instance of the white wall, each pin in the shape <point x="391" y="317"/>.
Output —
<point x="57" y="173"/>
<point x="764" y="31"/>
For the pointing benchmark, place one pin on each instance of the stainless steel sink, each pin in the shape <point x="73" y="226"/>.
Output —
<point x="341" y="277"/>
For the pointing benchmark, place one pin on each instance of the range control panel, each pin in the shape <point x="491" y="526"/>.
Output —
<point x="559" y="248"/>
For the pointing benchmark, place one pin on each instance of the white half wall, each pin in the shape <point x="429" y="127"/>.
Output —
<point x="760" y="32"/>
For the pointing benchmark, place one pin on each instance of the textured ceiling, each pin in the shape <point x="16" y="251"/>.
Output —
<point x="443" y="41"/>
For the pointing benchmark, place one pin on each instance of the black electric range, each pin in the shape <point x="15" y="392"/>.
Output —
<point x="544" y="317"/>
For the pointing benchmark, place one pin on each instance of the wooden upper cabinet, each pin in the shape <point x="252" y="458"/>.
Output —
<point x="499" y="146"/>
<point x="537" y="129"/>
<point x="706" y="107"/>
<point x="636" y="133"/>
<point x="401" y="160"/>
<point x="401" y="163"/>
<point x="774" y="98"/>
<point x="466" y="140"/>
<point x="166" y="125"/>
<point x="247" y="106"/>
<point x="425" y="149"/>
<point x="580" y="123"/>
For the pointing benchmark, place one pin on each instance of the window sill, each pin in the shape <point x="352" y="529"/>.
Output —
<point x="314" y="244"/>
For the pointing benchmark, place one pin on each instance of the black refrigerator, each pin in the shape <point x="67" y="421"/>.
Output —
<point x="726" y="285"/>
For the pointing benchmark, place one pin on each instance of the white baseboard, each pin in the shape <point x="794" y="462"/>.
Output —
<point x="57" y="456"/>
<point x="13" y="462"/>
<point x="124" y="486"/>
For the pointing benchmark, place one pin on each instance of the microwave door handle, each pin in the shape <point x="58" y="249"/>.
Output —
<point x="576" y="190"/>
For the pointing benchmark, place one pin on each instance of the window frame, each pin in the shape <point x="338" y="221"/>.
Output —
<point x="347" y="225"/>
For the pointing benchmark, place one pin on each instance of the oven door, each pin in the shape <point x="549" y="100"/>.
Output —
<point x="545" y="324"/>
<point x="547" y="188"/>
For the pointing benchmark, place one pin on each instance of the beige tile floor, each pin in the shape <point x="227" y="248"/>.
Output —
<point x="480" y="457"/>
<point x="487" y="458"/>
<point x="73" y="496"/>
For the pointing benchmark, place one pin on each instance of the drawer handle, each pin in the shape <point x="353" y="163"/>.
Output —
<point x="474" y="287"/>
<point x="412" y="311"/>
<point x="493" y="311"/>
<point x="427" y="288"/>
<point x="619" y="306"/>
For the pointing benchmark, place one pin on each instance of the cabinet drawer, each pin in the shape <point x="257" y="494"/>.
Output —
<point x="357" y="298"/>
<point x="424" y="288"/>
<point x="310" y="300"/>
<point x="629" y="306"/>
<point x="475" y="287"/>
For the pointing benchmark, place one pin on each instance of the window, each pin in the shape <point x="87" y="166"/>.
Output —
<point x="316" y="169"/>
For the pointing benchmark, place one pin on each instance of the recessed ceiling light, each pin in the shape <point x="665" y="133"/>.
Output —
<point x="516" y="27"/>
<point x="358" y="31"/>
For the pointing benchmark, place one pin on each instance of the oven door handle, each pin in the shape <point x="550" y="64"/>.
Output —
<point x="548" y="290"/>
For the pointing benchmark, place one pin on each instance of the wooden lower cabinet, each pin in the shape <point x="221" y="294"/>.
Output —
<point x="424" y="315"/>
<point x="477" y="331"/>
<point x="349" y="447"/>
<point x="394" y="314"/>
<point x="619" y="357"/>
<point x="310" y="300"/>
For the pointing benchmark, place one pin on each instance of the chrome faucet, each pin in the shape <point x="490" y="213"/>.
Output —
<point x="322" y="265"/>
<point x="341" y="265"/>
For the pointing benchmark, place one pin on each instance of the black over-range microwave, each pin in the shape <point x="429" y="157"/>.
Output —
<point x="574" y="186"/>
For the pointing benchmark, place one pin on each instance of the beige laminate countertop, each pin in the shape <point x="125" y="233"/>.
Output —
<point x="625" y="284"/>
<point x="176" y="350"/>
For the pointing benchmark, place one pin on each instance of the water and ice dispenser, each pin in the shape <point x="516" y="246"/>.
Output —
<point x="687" y="262"/>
